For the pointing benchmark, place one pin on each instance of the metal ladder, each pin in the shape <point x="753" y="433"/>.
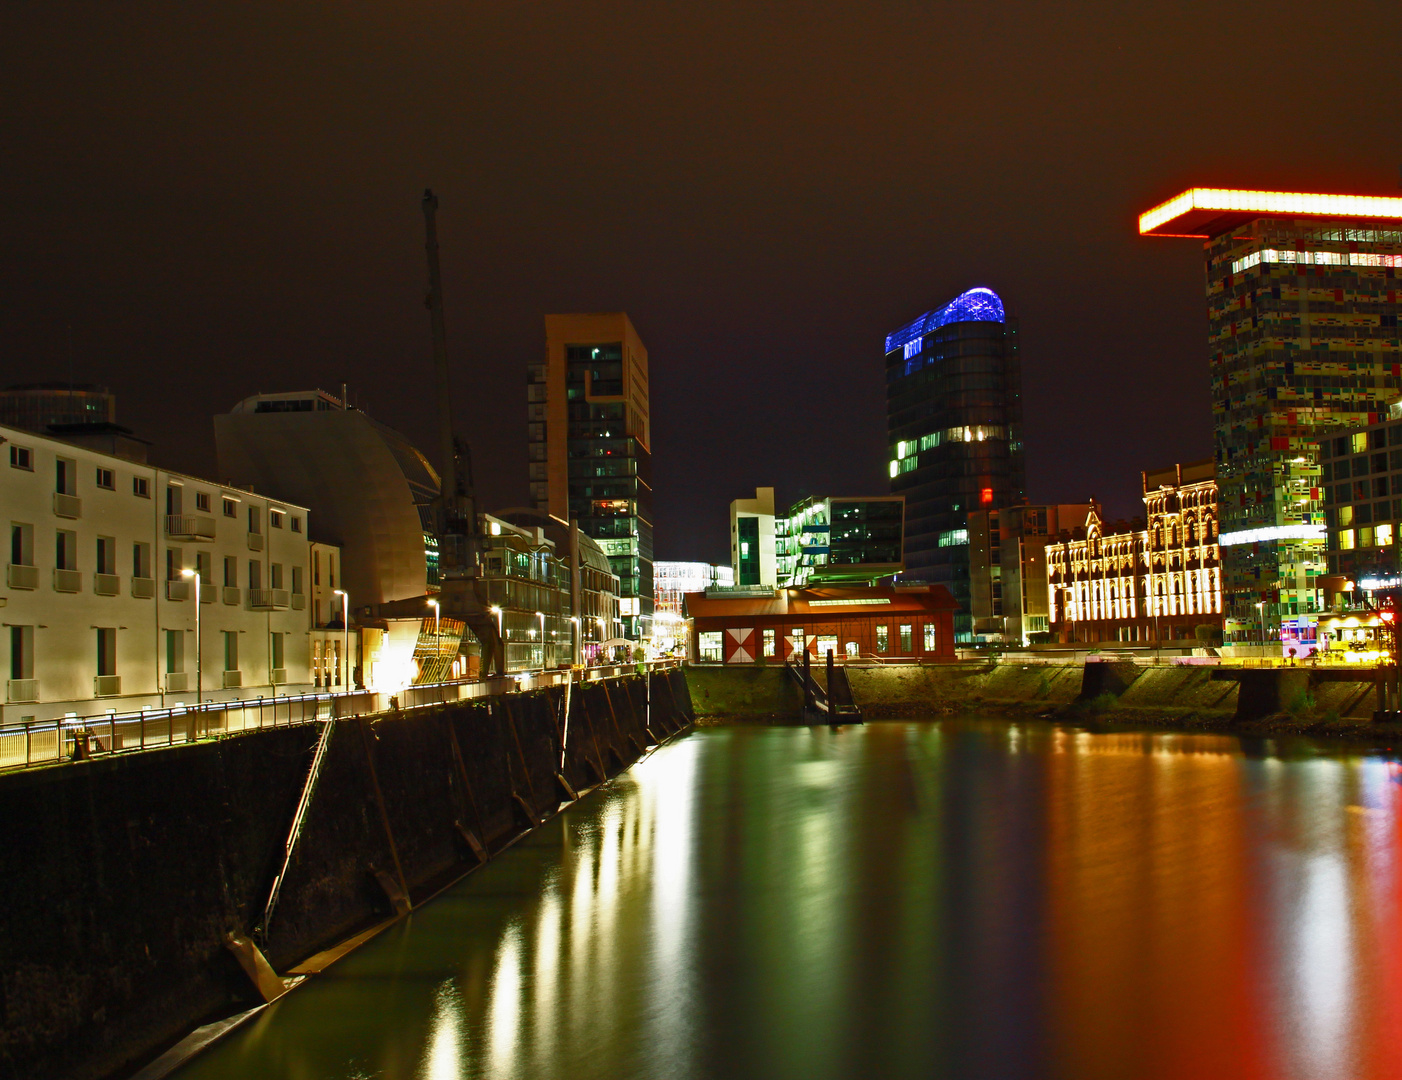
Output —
<point x="328" y="728"/>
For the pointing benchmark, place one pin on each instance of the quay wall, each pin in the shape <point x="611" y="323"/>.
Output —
<point x="121" y="877"/>
<point x="1119" y="690"/>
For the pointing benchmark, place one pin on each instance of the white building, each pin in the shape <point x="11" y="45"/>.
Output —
<point x="98" y="613"/>
<point x="752" y="547"/>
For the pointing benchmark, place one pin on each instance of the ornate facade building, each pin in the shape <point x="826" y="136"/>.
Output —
<point x="1148" y="580"/>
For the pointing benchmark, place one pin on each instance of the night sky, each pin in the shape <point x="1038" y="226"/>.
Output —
<point x="196" y="205"/>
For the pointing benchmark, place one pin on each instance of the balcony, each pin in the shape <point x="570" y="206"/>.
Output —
<point x="208" y="593"/>
<point x="19" y="691"/>
<point x="255" y="541"/>
<point x="278" y="676"/>
<point x="231" y="595"/>
<point x="178" y="589"/>
<point x="106" y="685"/>
<point x="268" y="599"/>
<point x="67" y="506"/>
<point x="143" y="588"/>
<point x="177" y="682"/>
<point x="189" y="527"/>
<point x="22" y="577"/>
<point x="299" y="601"/>
<point x="106" y="584"/>
<point x="68" y="581"/>
<point x="233" y="680"/>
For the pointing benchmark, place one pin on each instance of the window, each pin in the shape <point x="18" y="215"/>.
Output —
<point x="202" y="501"/>
<point x="1345" y="539"/>
<point x="883" y="637"/>
<point x="21" y="652"/>
<point x="1345" y="516"/>
<point x="174" y="564"/>
<point x="175" y="651"/>
<point x="275" y="575"/>
<point x="275" y="518"/>
<point x="21" y="457"/>
<point x="1360" y="441"/>
<point x="66" y="550"/>
<point x="140" y="487"/>
<point x="709" y="646"/>
<point x="231" y="572"/>
<point x="204" y="566"/>
<point x="1382" y="535"/>
<point x="316" y="568"/>
<point x="231" y="508"/>
<point x="174" y="500"/>
<point x="231" y="650"/>
<point x="254" y="521"/>
<point x="66" y="476"/>
<point x="275" y="650"/>
<point x="931" y="642"/>
<point x="255" y="574"/>
<point x="827" y="643"/>
<point x="330" y="570"/>
<point x="106" y="555"/>
<point x="906" y="638"/>
<point x="106" y="650"/>
<point x="296" y="524"/>
<point x="21" y="544"/>
<point x="769" y="641"/>
<point x="296" y="580"/>
<point x="105" y="479"/>
<point x="140" y="560"/>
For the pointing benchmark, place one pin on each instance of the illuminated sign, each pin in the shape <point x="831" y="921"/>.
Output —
<point x="1272" y="532"/>
<point x="1197" y="209"/>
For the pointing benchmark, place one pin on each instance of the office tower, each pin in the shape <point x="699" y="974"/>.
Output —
<point x="752" y="551"/>
<point x="591" y="446"/>
<point x="840" y="541"/>
<point x="1302" y="306"/>
<point x="954" y="423"/>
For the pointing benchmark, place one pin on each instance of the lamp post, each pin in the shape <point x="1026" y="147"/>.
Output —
<point x="501" y="638"/>
<point x="437" y="640"/>
<point x="345" y="634"/>
<point x="1261" y="617"/>
<point x="541" y="616"/>
<point x="199" y="649"/>
<point x="576" y="632"/>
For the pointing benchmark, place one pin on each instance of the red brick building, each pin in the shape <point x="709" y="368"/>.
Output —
<point x="901" y="623"/>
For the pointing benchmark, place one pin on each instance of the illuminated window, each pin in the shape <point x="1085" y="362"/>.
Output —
<point x="985" y="495"/>
<point x="954" y="537"/>
<point x="1360" y="441"/>
<point x="907" y="637"/>
<point x="1382" y="535"/>
<point x="883" y="637"/>
<point x="1365" y="537"/>
<point x="769" y="642"/>
<point x="709" y="646"/>
<point x="1345" y="539"/>
<point x="930" y="641"/>
<point x="1345" y="516"/>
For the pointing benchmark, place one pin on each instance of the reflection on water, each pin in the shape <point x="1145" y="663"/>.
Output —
<point x="954" y="899"/>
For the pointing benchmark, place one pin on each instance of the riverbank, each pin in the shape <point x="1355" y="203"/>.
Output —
<point x="1279" y="702"/>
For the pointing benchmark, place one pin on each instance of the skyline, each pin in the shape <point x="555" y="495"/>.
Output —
<point x="195" y="217"/>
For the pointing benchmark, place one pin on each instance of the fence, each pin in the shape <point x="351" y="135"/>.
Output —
<point x="73" y="738"/>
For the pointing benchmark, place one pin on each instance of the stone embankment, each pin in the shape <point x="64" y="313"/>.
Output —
<point x="1299" y="700"/>
<point x="123" y="878"/>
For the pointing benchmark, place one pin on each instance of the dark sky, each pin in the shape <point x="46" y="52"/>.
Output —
<point x="200" y="201"/>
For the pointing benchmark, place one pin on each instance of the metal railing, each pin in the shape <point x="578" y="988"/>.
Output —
<point x="75" y="738"/>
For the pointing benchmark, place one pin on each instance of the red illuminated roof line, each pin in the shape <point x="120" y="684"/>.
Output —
<point x="1202" y="213"/>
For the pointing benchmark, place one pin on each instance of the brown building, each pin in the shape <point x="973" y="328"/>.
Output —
<point x="1150" y="580"/>
<point x="1008" y="568"/>
<point x="743" y="626"/>
<point x="590" y="446"/>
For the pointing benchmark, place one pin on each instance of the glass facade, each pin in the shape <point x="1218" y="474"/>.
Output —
<point x="1303" y="340"/>
<point x="839" y="541"/>
<point x="954" y="419"/>
<point x="1361" y="486"/>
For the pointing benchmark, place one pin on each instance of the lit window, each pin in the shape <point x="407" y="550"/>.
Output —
<point x="709" y="646"/>
<point x="1345" y="516"/>
<point x="1346" y="540"/>
<point x="1382" y="535"/>
<point x="985" y="495"/>
<point x="1365" y="536"/>
<point x="930" y="642"/>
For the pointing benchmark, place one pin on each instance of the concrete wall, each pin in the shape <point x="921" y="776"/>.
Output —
<point x="121" y="877"/>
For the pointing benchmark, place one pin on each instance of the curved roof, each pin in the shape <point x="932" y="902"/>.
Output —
<point x="976" y="305"/>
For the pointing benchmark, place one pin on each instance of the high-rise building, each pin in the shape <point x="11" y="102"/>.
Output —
<point x="954" y="423"/>
<point x="752" y="551"/>
<point x="591" y="446"/>
<point x="1302" y="307"/>
<point x="840" y="541"/>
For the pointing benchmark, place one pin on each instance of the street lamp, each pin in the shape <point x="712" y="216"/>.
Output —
<point x="437" y="640"/>
<point x="576" y="632"/>
<point x="199" y="650"/>
<point x="1261" y="615"/>
<point x="541" y="616"/>
<point x="501" y="637"/>
<point x="345" y="633"/>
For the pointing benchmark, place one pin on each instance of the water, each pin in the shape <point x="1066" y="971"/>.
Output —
<point x="953" y="899"/>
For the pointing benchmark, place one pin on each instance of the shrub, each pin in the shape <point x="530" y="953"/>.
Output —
<point x="1301" y="703"/>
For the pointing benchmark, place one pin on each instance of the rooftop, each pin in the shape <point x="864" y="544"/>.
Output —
<point x="1203" y="213"/>
<point x="975" y="305"/>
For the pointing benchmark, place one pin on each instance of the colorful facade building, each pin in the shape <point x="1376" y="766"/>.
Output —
<point x="909" y="623"/>
<point x="1151" y="580"/>
<point x="1361" y="478"/>
<point x="954" y="425"/>
<point x="1303" y="299"/>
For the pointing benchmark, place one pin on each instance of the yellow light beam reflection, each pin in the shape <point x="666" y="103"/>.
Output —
<point x="444" y="1059"/>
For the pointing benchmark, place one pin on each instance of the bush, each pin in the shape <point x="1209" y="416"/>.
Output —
<point x="1301" y="703"/>
<point x="1101" y="703"/>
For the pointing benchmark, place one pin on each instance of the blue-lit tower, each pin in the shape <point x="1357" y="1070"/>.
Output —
<point x="954" y="424"/>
